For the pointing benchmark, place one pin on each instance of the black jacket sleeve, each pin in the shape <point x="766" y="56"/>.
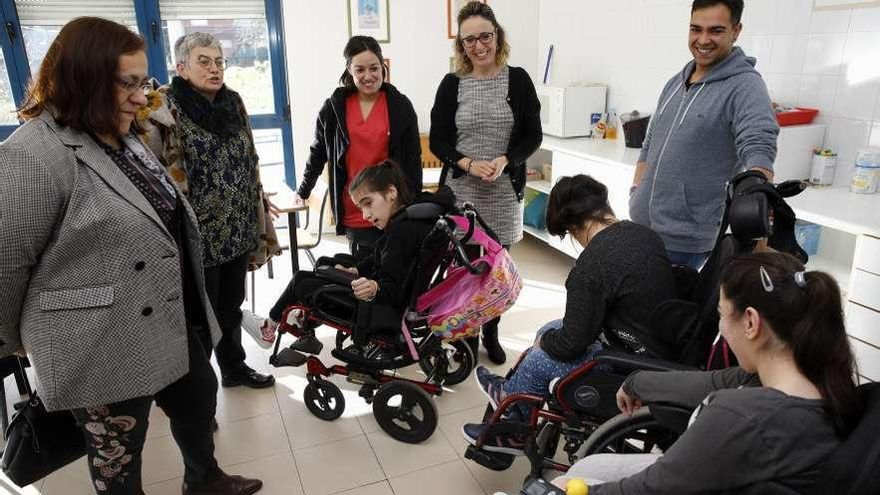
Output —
<point x="398" y="257"/>
<point x="586" y="303"/>
<point x="531" y="134"/>
<point x="317" y="152"/>
<point x="444" y="134"/>
<point x="411" y="148"/>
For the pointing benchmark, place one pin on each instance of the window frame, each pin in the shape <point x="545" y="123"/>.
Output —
<point x="149" y="22"/>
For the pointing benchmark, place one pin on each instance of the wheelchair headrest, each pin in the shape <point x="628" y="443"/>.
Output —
<point x="424" y="211"/>
<point x="756" y="209"/>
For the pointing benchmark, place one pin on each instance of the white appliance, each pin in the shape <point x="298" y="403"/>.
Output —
<point x="566" y="110"/>
<point x="794" y="151"/>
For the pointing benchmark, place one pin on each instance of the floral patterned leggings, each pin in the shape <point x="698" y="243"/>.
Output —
<point x="115" y="433"/>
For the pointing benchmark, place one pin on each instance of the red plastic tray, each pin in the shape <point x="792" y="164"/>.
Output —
<point x="798" y="116"/>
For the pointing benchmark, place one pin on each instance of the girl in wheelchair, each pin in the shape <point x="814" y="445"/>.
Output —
<point x="381" y="192"/>
<point x="763" y="427"/>
<point x="618" y="279"/>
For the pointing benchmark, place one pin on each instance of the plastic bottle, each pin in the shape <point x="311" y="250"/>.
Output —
<point x="611" y="125"/>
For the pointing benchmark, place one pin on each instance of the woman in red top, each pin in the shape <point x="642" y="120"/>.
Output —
<point x="364" y="122"/>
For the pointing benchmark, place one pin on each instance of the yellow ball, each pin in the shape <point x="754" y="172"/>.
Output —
<point x="576" y="486"/>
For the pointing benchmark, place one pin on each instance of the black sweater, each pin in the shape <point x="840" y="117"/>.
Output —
<point x="750" y="440"/>
<point x="614" y="286"/>
<point x="398" y="251"/>
<point x="524" y="140"/>
<point x="331" y="143"/>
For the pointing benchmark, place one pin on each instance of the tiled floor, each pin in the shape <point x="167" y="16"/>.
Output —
<point x="269" y="434"/>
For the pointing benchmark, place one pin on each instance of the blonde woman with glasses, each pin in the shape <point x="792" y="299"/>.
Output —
<point x="484" y="125"/>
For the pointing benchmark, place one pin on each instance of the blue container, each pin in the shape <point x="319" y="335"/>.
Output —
<point x="807" y="235"/>
<point x="535" y="209"/>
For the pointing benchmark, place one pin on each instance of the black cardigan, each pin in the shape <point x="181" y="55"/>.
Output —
<point x="524" y="140"/>
<point x="331" y="143"/>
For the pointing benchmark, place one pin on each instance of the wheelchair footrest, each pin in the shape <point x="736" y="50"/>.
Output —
<point x="495" y="461"/>
<point x="288" y="357"/>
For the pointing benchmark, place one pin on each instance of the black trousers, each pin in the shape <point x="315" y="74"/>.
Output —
<point x="362" y="242"/>
<point x="115" y="433"/>
<point x="225" y="284"/>
<point x="303" y="284"/>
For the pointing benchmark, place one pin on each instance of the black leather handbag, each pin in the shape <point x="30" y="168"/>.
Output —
<point x="39" y="442"/>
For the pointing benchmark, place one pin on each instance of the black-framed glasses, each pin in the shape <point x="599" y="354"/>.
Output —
<point x="207" y="62"/>
<point x="484" y="38"/>
<point x="132" y="85"/>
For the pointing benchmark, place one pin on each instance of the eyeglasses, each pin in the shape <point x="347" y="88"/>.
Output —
<point x="206" y="63"/>
<point x="485" y="38"/>
<point x="130" y="85"/>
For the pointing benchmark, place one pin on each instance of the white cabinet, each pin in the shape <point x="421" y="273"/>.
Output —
<point x="863" y="307"/>
<point x="607" y="161"/>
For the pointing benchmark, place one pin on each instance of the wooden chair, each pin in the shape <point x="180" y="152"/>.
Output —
<point x="431" y="165"/>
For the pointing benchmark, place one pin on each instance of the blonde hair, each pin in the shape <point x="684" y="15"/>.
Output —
<point x="463" y="64"/>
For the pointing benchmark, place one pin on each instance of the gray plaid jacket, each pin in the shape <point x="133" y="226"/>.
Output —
<point x="90" y="276"/>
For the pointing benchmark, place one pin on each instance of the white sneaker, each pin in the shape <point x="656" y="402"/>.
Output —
<point x="262" y="330"/>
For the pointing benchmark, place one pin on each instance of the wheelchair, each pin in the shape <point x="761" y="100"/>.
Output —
<point x="580" y="412"/>
<point x="373" y="343"/>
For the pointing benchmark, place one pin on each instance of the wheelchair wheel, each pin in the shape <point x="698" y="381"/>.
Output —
<point x="405" y="412"/>
<point x="324" y="399"/>
<point x="640" y="433"/>
<point x="456" y="358"/>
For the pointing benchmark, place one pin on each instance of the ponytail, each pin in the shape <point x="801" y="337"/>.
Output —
<point x="805" y="314"/>
<point x="380" y="177"/>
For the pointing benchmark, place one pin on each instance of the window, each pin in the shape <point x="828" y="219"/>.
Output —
<point x="241" y="28"/>
<point x="7" y="102"/>
<point x="41" y="21"/>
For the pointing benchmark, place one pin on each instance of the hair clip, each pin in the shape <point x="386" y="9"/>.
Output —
<point x="800" y="278"/>
<point x="765" y="279"/>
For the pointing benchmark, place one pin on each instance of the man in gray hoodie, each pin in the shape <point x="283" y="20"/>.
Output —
<point x="714" y="120"/>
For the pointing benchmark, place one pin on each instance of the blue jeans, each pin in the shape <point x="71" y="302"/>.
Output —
<point x="538" y="368"/>
<point x="693" y="260"/>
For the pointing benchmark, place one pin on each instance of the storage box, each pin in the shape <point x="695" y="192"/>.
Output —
<point x="807" y="235"/>
<point x="797" y="116"/>
<point x="547" y="172"/>
<point x="535" y="209"/>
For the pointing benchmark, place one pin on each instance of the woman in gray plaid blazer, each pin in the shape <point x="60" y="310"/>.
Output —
<point x="100" y="265"/>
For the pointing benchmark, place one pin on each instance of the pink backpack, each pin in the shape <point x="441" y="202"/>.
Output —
<point x="459" y="305"/>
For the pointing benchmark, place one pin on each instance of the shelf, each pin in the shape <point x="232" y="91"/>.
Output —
<point x="836" y="268"/>
<point x="542" y="186"/>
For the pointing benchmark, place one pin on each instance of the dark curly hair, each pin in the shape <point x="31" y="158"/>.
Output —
<point x="575" y="200"/>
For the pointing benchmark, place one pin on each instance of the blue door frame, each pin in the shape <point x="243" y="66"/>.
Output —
<point x="149" y="22"/>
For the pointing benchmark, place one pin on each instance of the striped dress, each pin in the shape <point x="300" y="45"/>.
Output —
<point x="484" y="121"/>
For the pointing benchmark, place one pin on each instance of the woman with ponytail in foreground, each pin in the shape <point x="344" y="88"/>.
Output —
<point x="763" y="427"/>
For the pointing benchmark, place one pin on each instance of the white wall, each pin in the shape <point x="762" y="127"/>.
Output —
<point x="825" y="59"/>
<point x="316" y="32"/>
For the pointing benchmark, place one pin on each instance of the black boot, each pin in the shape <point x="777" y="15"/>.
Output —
<point x="490" y="342"/>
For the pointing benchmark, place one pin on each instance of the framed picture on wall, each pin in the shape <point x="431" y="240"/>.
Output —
<point x="369" y="18"/>
<point x="452" y="9"/>
<point x="843" y="4"/>
<point x="387" y="62"/>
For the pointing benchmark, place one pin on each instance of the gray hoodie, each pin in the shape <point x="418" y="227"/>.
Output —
<point x="698" y="139"/>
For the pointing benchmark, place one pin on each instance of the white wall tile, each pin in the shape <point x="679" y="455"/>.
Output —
<point x="818" y="92"/>
<point x="792" y="16"/>
<point x="861" y="55"/>
<point x="760" y="47"/>
<point x="855" y="101"/>
<point x="865" y="19"/>
<point x="784" y="88"/>
<point x="759" y="18"/>
<point x="846" y="137"/>
<point x="788" y="53"/>
<point x="824" y="54"/>
<point x="874" y="139"/>
<point x="830" y="21"/>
